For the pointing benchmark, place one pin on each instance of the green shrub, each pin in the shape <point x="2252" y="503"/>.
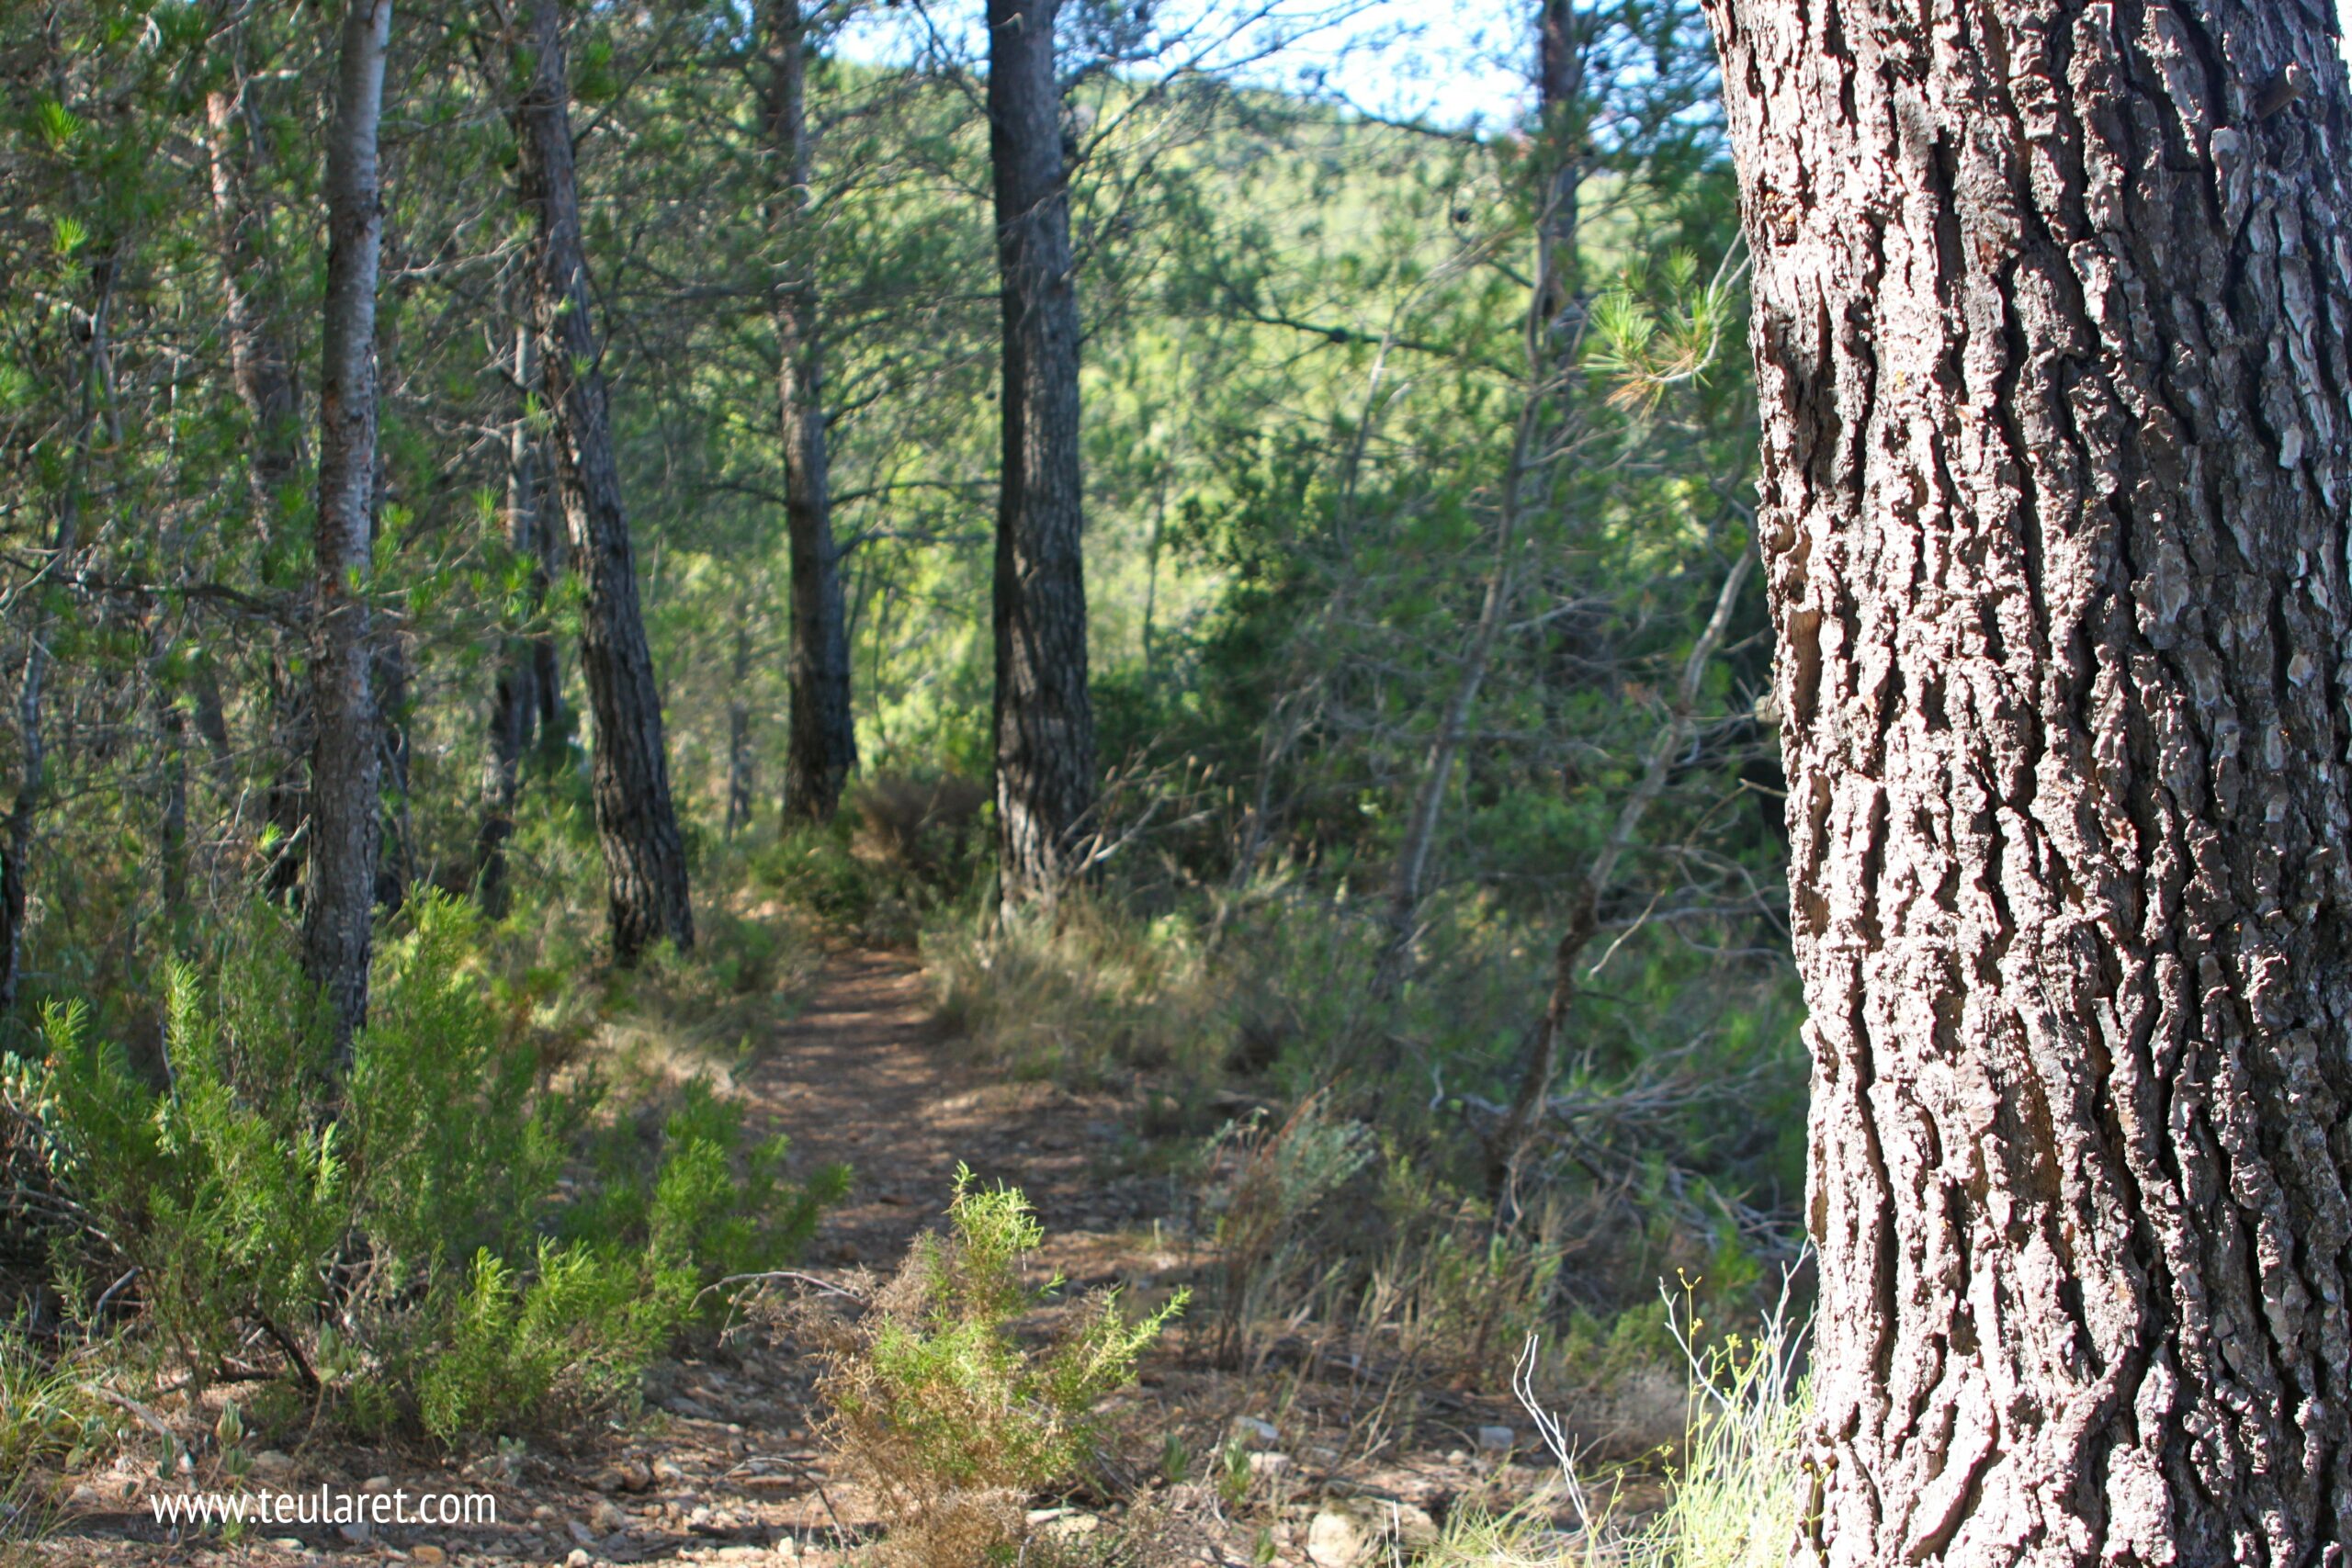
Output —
<point x="678" y="1197"/>
<point x="414" y="1208"/>
<point x="570" y="1336"/>
<point x="954" y="1422"/>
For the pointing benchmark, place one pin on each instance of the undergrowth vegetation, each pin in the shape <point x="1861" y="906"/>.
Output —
<point x="1366" y="1192"/>
<point x="1737" y="1492"/>
<point x="454" y="1235"/>
<point x="938" y="1404"/>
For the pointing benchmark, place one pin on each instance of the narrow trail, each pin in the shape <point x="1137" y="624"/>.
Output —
<point x="723" y="1465"/>
<point x="865" y="1076"/>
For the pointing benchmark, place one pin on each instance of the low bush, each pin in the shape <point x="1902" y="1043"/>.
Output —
<point x="904" y="847"/>
<point x="1083" y="991"/>
<point x="953" y="1421"/>
<point x="699" y="1194"/>
<point x="398" y="1231"/>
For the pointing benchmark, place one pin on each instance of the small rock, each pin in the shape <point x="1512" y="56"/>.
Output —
<point x="1269" y="1464"/>
<point x="580" y="1532"/>
<point x="667" y="1470"/>
<point x="580" y="1558"/>
<point x="428" y="1554"/>
<point x="1411" y="1525"/>
<point x="85" y="1496"/>
<point x="272" y="1464"/>
<point x="1252" y="1433"/>
<point x="1338" y="1540"/>
<point x="358" y="1533"/>
<point x="1321" y="1459"/>
<point x="1496" y="1439"/>
<point x="606" y="1519"/>
<point x="636" y="1475"/>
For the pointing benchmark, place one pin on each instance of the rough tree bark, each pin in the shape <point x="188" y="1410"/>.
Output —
<point x="338" y="905"/>
<point x="2051" y="305"/>
<point x="1044" y="717"/>
<point x="822" y="747"/>
<point x="645" y="858"/>
<point x="262" y="369"/>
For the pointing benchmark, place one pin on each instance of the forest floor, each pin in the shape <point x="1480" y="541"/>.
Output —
<point x="722" y="1465"/>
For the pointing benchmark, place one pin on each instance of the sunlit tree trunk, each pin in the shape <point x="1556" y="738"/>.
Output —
<point x="1044" y="717"/>
<point x="337" y="908"/>
<point x="645" y="857"/>
<point x="821" y="746"/>
<point x="2049" y="345"/>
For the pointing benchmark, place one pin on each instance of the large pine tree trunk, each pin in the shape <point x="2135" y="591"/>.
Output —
<point x="2050" y="303"/>
<point x="645" y="858"/>
<point x="1045" y="720"/>
<point x="822" y="748"/>
<point x="343" y="826"/>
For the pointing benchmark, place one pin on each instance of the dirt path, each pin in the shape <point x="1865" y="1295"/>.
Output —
<point x="865" y="1075"/>
<point x="723" y="1467"/>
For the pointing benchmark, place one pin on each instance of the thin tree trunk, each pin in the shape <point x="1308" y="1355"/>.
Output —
<point x="1044" y="717"/>
<point x="738" y="728"/>
<point x="2050" y="307"/>
<point x="171" y="736"/>
<point x="338" y="909"/>
<point x="1512" y="1135"/>
<point x="822" y="747"/>
<point x="1564" y="38"/>
<point x="1407" y="884"/>
<point x="645" y="857"/>
<point x="262" y="372"/>
<point x="1536" y="441"/>
<point x="515" y="698"/>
